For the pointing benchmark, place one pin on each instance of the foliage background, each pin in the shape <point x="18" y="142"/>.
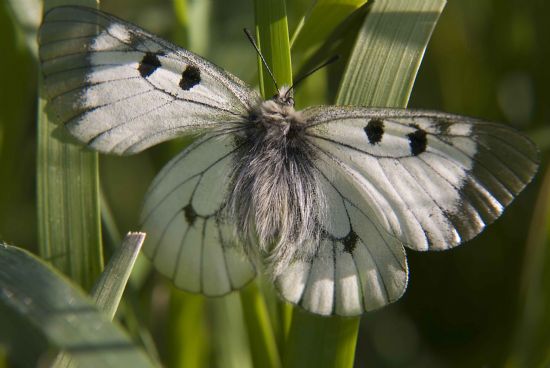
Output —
<point x="464" y="307"/>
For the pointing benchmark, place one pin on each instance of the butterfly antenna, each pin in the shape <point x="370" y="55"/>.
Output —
<point x="301" y="79"/>
<point x="253" y="42"/>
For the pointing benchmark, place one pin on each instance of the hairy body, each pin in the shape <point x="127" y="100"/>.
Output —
<point x="275" y="199"/>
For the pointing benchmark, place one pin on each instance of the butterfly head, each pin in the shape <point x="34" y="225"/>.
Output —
<point x="284" y="97"/>
<point x="278" y="116"/>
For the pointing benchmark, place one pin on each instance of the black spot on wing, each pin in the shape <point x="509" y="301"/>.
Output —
<point x="443" y="126"/>
<point x="374" y="131"/>
<point x="190" y="77"/>
<point x="148" y="64"/>
<point x="417" y="141"/>
<point x="190" y="214"/>
<point x="350" y="241"/>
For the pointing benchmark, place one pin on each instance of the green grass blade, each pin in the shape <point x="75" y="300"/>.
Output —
<point x="17" y="120"/>
<point x="230" y="343"/>
<point x="27" y="13"/>
<point x="272" y="39"/>
<point x="42" y="312"/>
<point x="113" y="239"/>
<point x="69" y="223"/>
<point x="180" y="34"/>
<point x="531" y="348"/>
<point x="541" y="137"/>
<point x="321" y="87"/>
<point x="315" y="341"/>
<point x="187" y="343"/>
<point x="338" y="42"/>
<point x="263" y="345"/>
<point x="193" y="30"/>
<point x="131" y="308"/>
<point x="388" y="52"/>
<point x="381" y="71"/>
<point x="3" y="357"/>
<point x="16" y="126"/>
<point x="107" y="291"/>
<point x="323" y="18"/>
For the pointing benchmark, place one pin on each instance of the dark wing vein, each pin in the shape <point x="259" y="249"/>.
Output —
<point x="390" y="234"/>
<point x="199" y="174"/>
<point x="347" y="201"/>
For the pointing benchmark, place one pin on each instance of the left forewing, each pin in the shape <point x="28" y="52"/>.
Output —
<point x="119" y="89"/>
<point x="435" y="179"/>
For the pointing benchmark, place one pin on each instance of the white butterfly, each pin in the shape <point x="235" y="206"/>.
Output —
<point x="322" y="199"/>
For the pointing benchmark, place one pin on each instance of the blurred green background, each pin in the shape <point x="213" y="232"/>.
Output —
<point x="476" y="306"/>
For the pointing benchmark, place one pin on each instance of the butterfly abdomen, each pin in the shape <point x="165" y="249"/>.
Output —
<point x="275" y="197"/>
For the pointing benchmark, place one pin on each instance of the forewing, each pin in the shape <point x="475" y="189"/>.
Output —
<point x="358" y="267"/>
<point x="188" y="238"/>
<point x="432" y="180"/>
<point x="120" y="89"/>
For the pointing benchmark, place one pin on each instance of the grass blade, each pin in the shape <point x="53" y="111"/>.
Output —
<point x="323" y="18"/>
<point x="272" y="39"/>
<point x="187" y="342"/>
<point x="388" y="52"/>
<point x="320" y="341"/>
<point x="42" y="311"/>
<point x="27" y="13"/>
<point x="16" y="126"/>
<point x="231" y="345"/>
<point x="263" y="346"/>
<point x="108" y="289"/>
<point x="380" y="72"/>
<point x="69" y="225"/>
<point x="533" y="333"/>
<point x="193" y="30"/>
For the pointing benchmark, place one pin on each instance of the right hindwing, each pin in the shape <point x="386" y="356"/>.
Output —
<point x="189" y="239"/>
<point x="394" y="178"/>
<point x="358" y="265"/>
<point x="119" y="89"/>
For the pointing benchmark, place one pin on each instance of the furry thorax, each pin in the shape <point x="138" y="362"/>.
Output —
<point x="276" y="203"/>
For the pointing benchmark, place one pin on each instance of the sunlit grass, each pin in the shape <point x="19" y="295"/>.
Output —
<point x="69" y="224"/>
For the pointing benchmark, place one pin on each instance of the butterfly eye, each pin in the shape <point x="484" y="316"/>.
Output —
<point x="290" y="101"/>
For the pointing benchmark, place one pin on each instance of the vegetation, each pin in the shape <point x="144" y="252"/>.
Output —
<point x="485" y="303"/>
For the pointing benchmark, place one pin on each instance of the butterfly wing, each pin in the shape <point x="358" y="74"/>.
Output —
<point x="358" y="266"/>
<point x="436" y="180"/>
<point x="188" y="238"/>
<point x="426" y="180"/>
<point x="119" y="89"/>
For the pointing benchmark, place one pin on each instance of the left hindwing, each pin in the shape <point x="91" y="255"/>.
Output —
<point x="432" y="180"/>
<point x="119" y="89"/>
<point x="189" y="239"/>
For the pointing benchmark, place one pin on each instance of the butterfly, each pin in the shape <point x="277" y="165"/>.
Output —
<point x="322" y="200"/>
